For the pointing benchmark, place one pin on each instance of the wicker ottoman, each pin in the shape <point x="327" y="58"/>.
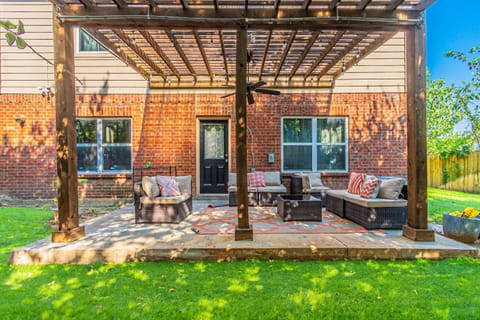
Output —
<point x="299" y="207"/>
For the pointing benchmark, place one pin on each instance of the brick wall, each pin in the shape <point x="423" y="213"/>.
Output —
<point x="164" y="133"/>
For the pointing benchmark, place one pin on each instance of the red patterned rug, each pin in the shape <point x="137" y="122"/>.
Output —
<point x="266" y="221"/>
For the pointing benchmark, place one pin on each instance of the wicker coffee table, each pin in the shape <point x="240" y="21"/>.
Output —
<point x="299" y="207"/>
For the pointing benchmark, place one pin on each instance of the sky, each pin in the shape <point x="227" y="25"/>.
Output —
<point x="451" y="25"/>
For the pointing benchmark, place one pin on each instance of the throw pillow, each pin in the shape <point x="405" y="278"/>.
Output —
<point x="168" y="186"/>
<point x="150" y="187"/>
<point x="272" y="178"/>
<point x="391" y="189"/>
<point x="256" y="180"/>
<point x="369" y="189"/>
<point x="355" y="183"/>
<point x="315" y="180"/>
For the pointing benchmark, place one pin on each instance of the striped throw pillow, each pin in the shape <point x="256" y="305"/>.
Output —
<point x="355" y="183"/>
<point x="369" y="189"/>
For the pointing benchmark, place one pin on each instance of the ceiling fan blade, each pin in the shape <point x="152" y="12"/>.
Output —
<point x="250" y="98"/>
<point x="268" y="91"/>
<point x="257" y="84"/>
<point x="228" y="95"/>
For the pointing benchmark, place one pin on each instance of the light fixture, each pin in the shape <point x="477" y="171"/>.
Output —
<point x="46" y="92"/>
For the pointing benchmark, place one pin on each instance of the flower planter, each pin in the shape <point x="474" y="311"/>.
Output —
<point x="462" y="229"/>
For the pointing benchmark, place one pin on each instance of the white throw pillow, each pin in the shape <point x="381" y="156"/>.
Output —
<point x="150" y="186"/>
<point x="391" y="189"/>
<point x="272" y="178"/>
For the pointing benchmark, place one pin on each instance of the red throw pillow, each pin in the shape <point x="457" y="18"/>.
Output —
<point x="256" y="179"/>
<point x="168" y="186"/>
<point x="369" y="188"/>
<point x="355" y="183"/>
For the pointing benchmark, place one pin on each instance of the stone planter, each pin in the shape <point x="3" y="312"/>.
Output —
<point x="462" y="229"/>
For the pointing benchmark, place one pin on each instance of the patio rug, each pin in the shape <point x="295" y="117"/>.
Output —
<point x="266" y="221"/>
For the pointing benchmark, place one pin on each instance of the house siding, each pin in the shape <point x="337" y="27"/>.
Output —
<point x="164" y="132"/>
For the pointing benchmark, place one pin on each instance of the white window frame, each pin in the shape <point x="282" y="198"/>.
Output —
<point x="81" y="52"/>
<point x="314" y="144"/>
<point x="101" y="146"/>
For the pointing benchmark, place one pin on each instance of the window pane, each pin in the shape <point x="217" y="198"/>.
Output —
<point x="87" y="158"/>
<point x="116" y="131"/>
<point x="117" y="158"/>
<point x="87" y="43"/>
<point x="297" y="158"/>
<point x="331" y="158"/>
<point x="86" y="131"/>
<point x="214" y="141"/>
<point x="331" y="130"/>
<point x="297" y="130"/>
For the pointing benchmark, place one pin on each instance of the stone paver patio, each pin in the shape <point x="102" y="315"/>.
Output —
<point x="115" y="238"/>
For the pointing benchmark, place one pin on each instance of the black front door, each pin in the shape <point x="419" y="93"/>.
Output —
<point x="213" y="156"/>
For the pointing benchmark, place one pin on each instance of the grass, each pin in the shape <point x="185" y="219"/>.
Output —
<point x="418" y="289"/>
<point x="442" y="201"/>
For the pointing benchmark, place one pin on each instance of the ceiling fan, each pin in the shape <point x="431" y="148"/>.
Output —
<point x="254" y="86"/>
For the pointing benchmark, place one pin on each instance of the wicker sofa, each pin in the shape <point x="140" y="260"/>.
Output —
<point x="375" y="213"/>
<point x="153" y="208"/>
<point x="261" y="196"/>
<point x="309" y="183"/>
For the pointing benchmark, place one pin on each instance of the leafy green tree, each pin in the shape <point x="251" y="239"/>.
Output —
<point x="467" y="95"/>
<point x="442" y="116"/>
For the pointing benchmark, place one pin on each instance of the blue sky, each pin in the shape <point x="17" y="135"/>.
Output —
<point x="451" y="26"/>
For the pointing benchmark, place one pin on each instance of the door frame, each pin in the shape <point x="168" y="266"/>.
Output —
<point x="197" y="146"/>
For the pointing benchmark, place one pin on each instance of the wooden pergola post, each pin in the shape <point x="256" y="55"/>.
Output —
<point x="67" y="189"/>
<point x="244" y="230"/>
<point x="417" y="228"/>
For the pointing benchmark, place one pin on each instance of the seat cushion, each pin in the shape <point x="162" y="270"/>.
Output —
<point x="165" y="200"/>
<point x="375" y="203"/>
<point x="234" y="189"/>
<point x="341" y="194"/>
<point x="317" y="189"/>
<point x="232" y="179"/>
<point x="272" y="178"/>
<point x="275" y="189"/>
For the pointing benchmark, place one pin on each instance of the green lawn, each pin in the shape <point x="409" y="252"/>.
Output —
<point x="442" y="201"/>
<point x="420" y="289"/>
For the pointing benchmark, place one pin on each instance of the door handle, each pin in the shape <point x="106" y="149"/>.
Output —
<point x="226" y="158"/>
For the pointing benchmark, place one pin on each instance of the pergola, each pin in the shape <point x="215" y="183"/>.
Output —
<point x="204" y="44"/>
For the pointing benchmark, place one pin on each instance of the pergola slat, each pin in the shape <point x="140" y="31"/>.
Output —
<point x="120" y="55"/>
<point x="394" y="5"/>
<point x="310" y="43"/>
<point x="363" y="4"/>
<point x="339" y="57"/>
<point x="327" y="50"/>
<point x="160" y="52"/>
<point x="202" y="52"/>
<point x="288" y="45"/>
<point x="179" y="49"/>
<point x="140" y="53"/>
<point x="224" y="56"/>
<point x="264" y="58"/>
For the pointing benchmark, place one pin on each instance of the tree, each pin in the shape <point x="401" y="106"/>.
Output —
<point x="467" y="95"/>
<point x="442" y="117"/>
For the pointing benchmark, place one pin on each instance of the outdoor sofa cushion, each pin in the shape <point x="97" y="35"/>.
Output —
<point x="276" y="189"/>
<point x="165" y="200"/>
<point x="375" y="203"/>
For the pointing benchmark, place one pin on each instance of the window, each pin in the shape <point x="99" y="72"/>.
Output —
<point x="314" y="144"/>
<point x="104" y="145"/>
<point x="88" y="44"/>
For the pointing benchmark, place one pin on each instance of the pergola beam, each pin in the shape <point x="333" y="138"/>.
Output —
<point x="372" y="47"/>
<point x="286" y="49"/>
<point x="326" y="51"/>
<point x="224" y="56"/>
<point x="121" y="55"/>
<point x="160" y="52"/>
<point x="180" y="52"/>
<point x="267" y="46"/>
<point x="203" y="53"/>
<point x="140" y="53"/>
<point x="394" y="5"/>
<point x="417" y="228"/>
<point x="66" y="149"/>
<point x="363" y="4"/>
<point x="285" y="18"/>
<point x="121" y="4"/>
<point x="340" y="56"/>
<point x="305" y="52"/>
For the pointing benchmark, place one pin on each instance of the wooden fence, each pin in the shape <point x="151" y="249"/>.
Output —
<point x="455" y="173"/>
